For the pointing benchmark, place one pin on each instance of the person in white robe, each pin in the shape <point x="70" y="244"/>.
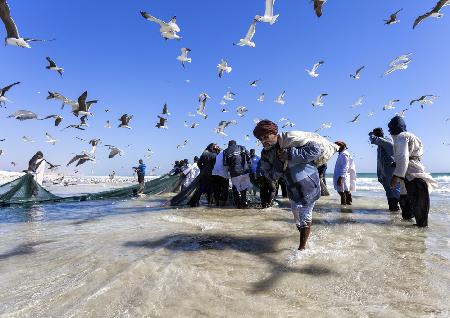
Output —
<point x="344" y="178"/>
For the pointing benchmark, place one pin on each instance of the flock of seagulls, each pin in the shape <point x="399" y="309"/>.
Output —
<point x="82" y="108"/>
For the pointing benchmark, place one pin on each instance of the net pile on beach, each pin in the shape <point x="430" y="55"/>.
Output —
<point x="26" y="190"/>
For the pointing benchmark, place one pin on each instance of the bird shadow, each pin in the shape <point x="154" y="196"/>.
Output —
<point x="22" y="249"/>
<point x="261" y="246"/>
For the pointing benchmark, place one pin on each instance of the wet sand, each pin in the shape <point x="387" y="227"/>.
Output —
<point x="142" y="261"/>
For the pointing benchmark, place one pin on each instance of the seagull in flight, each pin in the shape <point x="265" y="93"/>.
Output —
<point x="318" y="7"/>
<point x="94" y="143"/>
<point x="27" y="139"/>
<point x="184" y="144"/>
<point x="50" y="139"/>
<point x="183" y="58"/>
<point x="228" y="96"/>
<point x="261" y="98"/>
<point x="23" y="115"/>
<point x="241" y="110"/>
<point x="313" y="72"/>
<point x="82" y="158"/>
<point x="391" y="104"/>
<point x="223" y="68"/>
<point x="393" y="18"/>
<point x="319" y="100"/>
<point x="107" y="124"/>
<point x="358" y="102"/>
<point x="124" y="121"/>
<point x="53" y="67"/>
<point x="434" y="12"/>
<point x="396" y="67"/>
<point x="357" y="74"/>
<point x="168" y="30"/>
<point x="202" y="106"/>
<point x="323" y="126"/>
<point x="161" y="123"/>
<point x="83" y="107"/>
<point x="58" y="119"/>
<point x="165" y="110"/>
<point x="370" y="114"/>
<point x="254" y="83"/>
<point x="424" y="100"/>
<point x="268" y="16"/>
<point x="402" y="113"/>
<point x="12" y="34"/>
<point x="280" y="99"/>
<point x="113" y="151"/>
<point x="222" y="125"/>
<point x="3" y="91"/>
<point x="62" y="98"/>
<point x="400" y="59"/>
<point x="288" y="124"/>
<point x="247" y="40"/>
<point x="355" y="119"/>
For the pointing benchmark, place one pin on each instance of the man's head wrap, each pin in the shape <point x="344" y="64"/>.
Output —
<point x="397" y="125"/>
<point x="341" y="144"/>
<point x="265" y="127"/>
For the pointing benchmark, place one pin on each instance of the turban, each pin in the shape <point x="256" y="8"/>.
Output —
<point x="397" y="125"/>
<point x="341" y="144"/>
<point x="265" y="127"/>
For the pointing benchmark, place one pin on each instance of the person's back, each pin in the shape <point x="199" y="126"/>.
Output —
<point x="236" y="158"/>
<point x="206" y="162"/>
<point x="219" y="169"/>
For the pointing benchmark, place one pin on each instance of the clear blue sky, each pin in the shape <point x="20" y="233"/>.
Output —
<point x="107" y="48"/>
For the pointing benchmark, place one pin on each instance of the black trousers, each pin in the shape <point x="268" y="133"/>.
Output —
<point x="221" y="185"/>
<point x="282" y="185"/>
<point x="418" y="202"/>
<point x="266" y="191"/>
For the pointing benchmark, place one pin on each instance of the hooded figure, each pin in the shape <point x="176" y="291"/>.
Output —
<point x="408" y="151"/>
<point x="344" y="178"/>
<point x="385" y="166"/>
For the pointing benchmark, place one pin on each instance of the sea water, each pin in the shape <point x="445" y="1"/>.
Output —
<point x="132" y="258"/>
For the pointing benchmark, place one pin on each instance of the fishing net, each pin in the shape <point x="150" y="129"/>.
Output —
<point x="26" y="190"/>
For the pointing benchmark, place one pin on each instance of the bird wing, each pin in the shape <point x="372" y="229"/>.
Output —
<point x="49" y="137"/>
<point x="52" y="63"/>
<point x="318" y="7"/>
<point x="6" y="88"/>
<point x="77" y="157"/>
<point x="359" y="70"/>
<point x="82" y="102"/>
<point x="153" y="19"/>
<point x="269" y="8"/>
<point x="436" y="9"/>
<point x="316" y="66"/>
<point x="251" y="31"/>
<point x="5" y="15"/>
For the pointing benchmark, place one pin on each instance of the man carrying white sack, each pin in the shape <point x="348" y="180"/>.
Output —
<point x="408" y="151"/>
<point x="295" y="156"/>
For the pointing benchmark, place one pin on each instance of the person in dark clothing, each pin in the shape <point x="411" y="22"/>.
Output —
<point x="385" y="167"/>
<point x="254" y="160"/>
<point x="323" y="182"/>
<point x="140" y="170"/>
<point x="281" y="184"/>
<point x="237" y="159"/>
<point x="267" y="188"/>
<point x="176" y="169"/>
<point x="205" y="164"/>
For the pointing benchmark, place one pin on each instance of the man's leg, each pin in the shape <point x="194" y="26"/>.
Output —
<point x="303" y="221"/>
<point x="343" y="198"/>
<point x="419" y="198"/>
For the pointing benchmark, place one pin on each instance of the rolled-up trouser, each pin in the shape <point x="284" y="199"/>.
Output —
<point x="419" y="200"/>
<point x="302" y="214"/>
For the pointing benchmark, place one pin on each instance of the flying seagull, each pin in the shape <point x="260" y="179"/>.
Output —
<point x="62" y="98"/>
<point x="83" y="107"/>
<point x="58" y="119"/>
<point x="27" y="139"/>
<point x="319" y="100"/>
<point x="222" y="125"/>
<point x="318" y="7"/>
<point x="53" y="67"/>
<point x="113" y="151"/>
<point x="391" y="104"/>
<point x="201" y="107"/>
<point x="393" y="18"/>
<point x="124" y="121"/>
<point x="183" y="58"/>
<point x="261" y="98"/>
<point x="223" y="68"/>
<point x="288" y="123"/>
<point x="241" y="110"/>
<point x="400" y="59"/>
<point x="357" y="74"/>
<point x="280" y="99"/>
<point x="94" y="143"/>
<point x="52" y="166"/>
<point x="268" y="16"/>
<point x="80" y="125"/>
<point x="182" y="145"/>
<point x="194" y="125"/>
<point x="402" y="113"/>
<point x="247" y="40"/>
<point x="3" y="90"/>
<point x="228" y="96"/>
<point x="107" y="124"/>
<point x="23" y="115"/>
<point x="312" y="72"/>
<point x="323" y="126"/>
<point x="165" y="110"/>
<point x="161" y="123"/>
<point x="358" y="102"/>
<point x="82" y="158"/>
<point x="254" y="83"/>
<point x="12" y="34"/>
<point x="168" y="30"/>
<point x="424" y="100"/>
<point x="355" y="119"/>
<point x="396" y="67"/>
<point x="50" y="139"/>
<point x="434" y="12"/>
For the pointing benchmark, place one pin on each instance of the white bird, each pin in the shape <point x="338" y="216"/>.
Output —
<point x="288" y="124"/>
<point x="3" y="91"/>
<point x="228" y="96"/>
<point x="313" y="72"/>
<point x="402" y="113"/>
<point x="282" y="119"/>
<point x="391" y="104"/>
<point x="254" y="83"/>
<point x="268" y="16"/>
<point x="168" y="30"/>
<point x="23" y="115"/>
<point x="434" y="12"/>
<point x="50" y="139"/>
<point x="194" y="125"/>
<point x="62" y="98"/>
<point x="222" y="125"/>
<point x="223" y="68"/>
<point x="27" y="139"/>
<point x="424" y="100"/>
<point x="246" y="137"/>
<point x="319" y="100"/>
<point x="53" y="67"/>
<point x="222" y="102"/>
<point x="161" y="123"/>
<point x="107" y="124"/>
<point x="324" y="126"/>
<point x="82" y="158"/>
<point x="241" y="110"/>
<point x="190" y="114"/>
<point x="203" y="97"/>
<point x="149" y="153"/>
<point x="397" y="67"/>
<point x="125" y="121"/>
<point x="261" y="98"/>
<point x="183" y="58"/>
<point x="355" y="119"/>
<point x="113" y="151"/>
<point x="83" y="107"/>
<point x="224" y="110"/>
<point x="256" y="120"/>
<point x="400" y="59"/>
<point x="247" y="40"/>
<point x="357" y="74"/>
<point x="393" y="18"/>
<point x="184" y="144"/>
<point x="94" y="143"/>
<point x="280" y="99"/>
<point x="358" y="102"/>
<point x="12" y="34"/>
<point x="370" y="114"/>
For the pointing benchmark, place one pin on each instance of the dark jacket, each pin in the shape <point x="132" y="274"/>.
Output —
<point x="301" y="175"/>
<point x="236" y="158"/>
<point x="385" y="159"/>
<point x="206" y="162"/>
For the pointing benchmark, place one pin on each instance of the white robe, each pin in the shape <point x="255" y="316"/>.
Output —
<point x="191" y="173"/>
<point x="39" y="174"/>
<point x="408" y="150"/>
<point x="219" y="169"/>
<point x="345" y="168"/>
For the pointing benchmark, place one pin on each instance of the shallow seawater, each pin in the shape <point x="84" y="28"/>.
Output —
<point x="132" y="258"/>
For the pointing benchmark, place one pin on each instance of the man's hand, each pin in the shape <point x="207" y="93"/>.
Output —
<point x="394" y="181"/>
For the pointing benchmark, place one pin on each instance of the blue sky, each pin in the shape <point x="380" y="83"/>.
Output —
<point x="107" y="48"/>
